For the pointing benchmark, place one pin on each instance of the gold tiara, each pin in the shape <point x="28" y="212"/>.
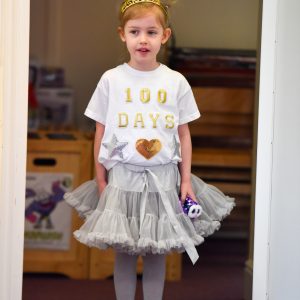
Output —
<point x="129" y="3"/>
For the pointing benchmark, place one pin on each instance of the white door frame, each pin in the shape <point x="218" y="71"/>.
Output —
<point x="14" y="56"/>
<point x="14" y="53"/>
<point x="264" y="158"/>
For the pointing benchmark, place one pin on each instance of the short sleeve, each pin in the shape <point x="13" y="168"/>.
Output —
<point x="98" y="105"/>
<point x="188" y="110"/>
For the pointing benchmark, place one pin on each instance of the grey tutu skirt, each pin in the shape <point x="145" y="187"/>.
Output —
<point x="139" y="211"/>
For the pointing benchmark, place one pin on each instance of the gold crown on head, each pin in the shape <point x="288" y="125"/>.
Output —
<point x="129" y="3"/>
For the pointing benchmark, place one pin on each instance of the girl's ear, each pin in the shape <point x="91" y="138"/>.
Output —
<point x="166" y="35"/>
<point x="121" y="34"/>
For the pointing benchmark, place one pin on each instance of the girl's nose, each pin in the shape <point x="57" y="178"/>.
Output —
<point x="143" y="39"/>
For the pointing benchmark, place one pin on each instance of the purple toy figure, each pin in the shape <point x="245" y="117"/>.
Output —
<point x="191" y="207"/>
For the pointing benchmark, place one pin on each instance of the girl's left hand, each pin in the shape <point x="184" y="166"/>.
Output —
<point x="186" y="189"/>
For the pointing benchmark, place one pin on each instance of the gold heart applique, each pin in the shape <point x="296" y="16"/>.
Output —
<point x="148" y="148"/>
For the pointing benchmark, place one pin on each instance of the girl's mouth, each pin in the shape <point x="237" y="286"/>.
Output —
<point x="144" y="50"/>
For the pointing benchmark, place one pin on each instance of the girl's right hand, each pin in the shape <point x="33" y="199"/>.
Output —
<point x="101" y="186"/>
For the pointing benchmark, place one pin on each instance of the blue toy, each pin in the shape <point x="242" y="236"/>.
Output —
<point x="191" y="207"/>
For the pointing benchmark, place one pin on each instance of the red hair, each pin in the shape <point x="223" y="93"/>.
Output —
<point x="141" y="9"/>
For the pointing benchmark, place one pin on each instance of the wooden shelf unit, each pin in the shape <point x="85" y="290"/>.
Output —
<point x="222" y="149"/>
<point x="70" y="156"/>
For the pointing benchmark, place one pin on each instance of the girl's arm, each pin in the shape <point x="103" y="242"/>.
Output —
<point x="185" y="164"/>
<point x="101" y="176"/>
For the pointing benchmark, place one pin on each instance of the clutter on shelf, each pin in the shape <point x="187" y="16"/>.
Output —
<point x="50" y="101"/>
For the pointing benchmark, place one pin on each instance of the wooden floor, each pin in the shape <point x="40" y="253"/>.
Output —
<point x="218" y="275"/>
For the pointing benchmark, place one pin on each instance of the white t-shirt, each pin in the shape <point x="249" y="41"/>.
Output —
<point x="141" y="111"/>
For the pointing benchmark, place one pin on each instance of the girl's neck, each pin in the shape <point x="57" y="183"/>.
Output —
<point x="144" y="67"/>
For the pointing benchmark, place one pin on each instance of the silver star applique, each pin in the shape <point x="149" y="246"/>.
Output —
<point x="115" y="147"/>
<point x="175" y="146"/>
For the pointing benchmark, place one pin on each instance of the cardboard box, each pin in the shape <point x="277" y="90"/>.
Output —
<point x="56" y="107"/>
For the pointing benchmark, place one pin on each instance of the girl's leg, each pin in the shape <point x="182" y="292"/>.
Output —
<point x="125" y="276"/>
<point x="154" y="276"/>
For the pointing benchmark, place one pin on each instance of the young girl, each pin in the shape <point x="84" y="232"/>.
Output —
<point x="142" y="155"/>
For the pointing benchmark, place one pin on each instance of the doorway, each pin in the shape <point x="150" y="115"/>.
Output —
<point x="263" y="236"/>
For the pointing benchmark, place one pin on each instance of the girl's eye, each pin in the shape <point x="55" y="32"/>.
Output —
<point x="134" y="32"/>
<point x="152" y="32"/>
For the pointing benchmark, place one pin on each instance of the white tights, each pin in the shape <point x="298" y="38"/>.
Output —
<point x="125" y="276"/>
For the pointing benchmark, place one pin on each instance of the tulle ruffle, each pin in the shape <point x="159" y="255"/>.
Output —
<point x="216" y="206"/>
<point x="113" y="220"/>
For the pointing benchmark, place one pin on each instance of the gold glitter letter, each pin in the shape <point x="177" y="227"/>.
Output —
<point x="124" y="124"/>
<point x="162" y="96"/>
<point x="154" y="119"/>
<point x="170" y="120"/>
<point x="139" y="118"/>
<point x="145" y="95"/>
<point x="128" y="94"/>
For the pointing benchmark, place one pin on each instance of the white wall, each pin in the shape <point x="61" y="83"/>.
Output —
<point x="14" y="46"/>
<point x="284" y="269"/>
<point x="230" y="24"/>
<point x="38" y="29"/>
<point x="277" y="222"/>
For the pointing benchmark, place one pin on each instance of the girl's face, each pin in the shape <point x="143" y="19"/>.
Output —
<point x="143" y="37"/>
